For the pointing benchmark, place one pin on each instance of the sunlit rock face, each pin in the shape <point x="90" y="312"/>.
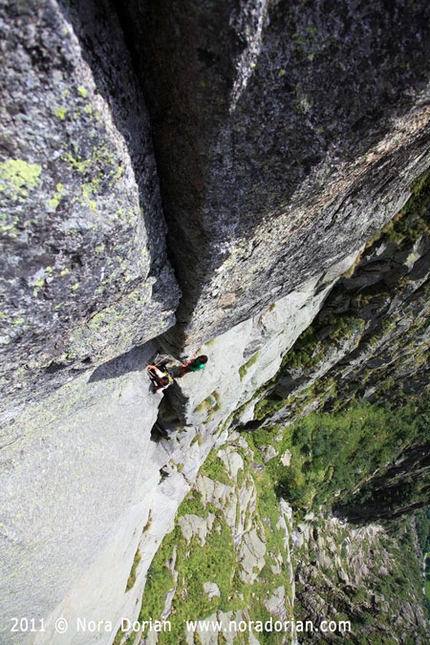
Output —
<point x="100" y="468"/>
<point x="286" y="133"/>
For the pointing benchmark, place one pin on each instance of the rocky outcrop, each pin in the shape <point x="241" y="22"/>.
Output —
<point x="371" y="335"/>
<point x="249" y="354"/>
<point x="399" y="490"/>
<point x="278" y="572"/>
<point x="286" y="135"/>
<point x="336" y="577"/>
<point x="84" y="270"/>
<point x="126" y="467"/>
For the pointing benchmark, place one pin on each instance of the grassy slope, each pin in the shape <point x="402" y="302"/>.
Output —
<point x="393" y="574"/>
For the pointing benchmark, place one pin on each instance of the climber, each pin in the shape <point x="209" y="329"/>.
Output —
<point x="160" y="380"/>
<point x="166" y="369"/>
<point x="192" y="365"/>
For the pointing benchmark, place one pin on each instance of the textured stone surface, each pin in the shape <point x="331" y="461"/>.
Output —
<point x="90" y="423"/>
<point x="344" y="574"/>
<point x="248" y="355"/>
<point x="211" y="589"/>
<point x="276" y="603"/>
<point x="91" y="492"/>
<point x="323" y="568"/>
<point x="252" y="556"/>
<point x="385" y="307"/>
<point x="192" y="525"/>
<point x="83" y="484"/>
<point x="84" y="269"/>
<point x="286" y="134"/>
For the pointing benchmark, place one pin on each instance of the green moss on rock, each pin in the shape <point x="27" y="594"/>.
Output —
<point x="18" y="176"/>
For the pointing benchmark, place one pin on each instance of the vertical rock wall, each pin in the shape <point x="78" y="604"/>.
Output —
<point x="96" y="486"/>
<point x="84" y="269"/>
<point x="286" y="134"/>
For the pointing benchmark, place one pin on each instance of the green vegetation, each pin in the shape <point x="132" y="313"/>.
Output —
<point x="391" y="585"/>
<point x="53" y="203"/>
<point x="61" y="113"/>
<point x="333" y="454"/>
<point x="198" y="439"/>
<point x="218" y="560"/>
<point x="243" y="370"/>
<point x="395" y="493"/>
<point x="328" y="453"/>
<point x="422" y="521"/>
<point x="148" y="523"/>
<point x="400" y="542"/>
<point x="19" y="176"/>
<point x="309" y="351"/>
<point x="414" y="218"/>
<point x="215" y="469"/>
<point x="118" y="637"/>
<point x="303" y="352"/>
<point x="210" y="405"/>
<point x="364" y="324"/>
<point x="422" y="524"/>
<point x="195" y="564"/>
<point x="132" y="577"/>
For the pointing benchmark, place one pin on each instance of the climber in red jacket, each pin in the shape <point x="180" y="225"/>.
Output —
<point x="160" y="380"/>
<point x="166" y="370"/>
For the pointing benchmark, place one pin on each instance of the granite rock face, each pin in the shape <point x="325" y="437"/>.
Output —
<point x="277" y="565"/>
<point x="84" y="270"/>
<point x="286" y="133"/>
<point x="84" y="483"/>
<point x="277" y="139"/>
<point x="101" y="466"/>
